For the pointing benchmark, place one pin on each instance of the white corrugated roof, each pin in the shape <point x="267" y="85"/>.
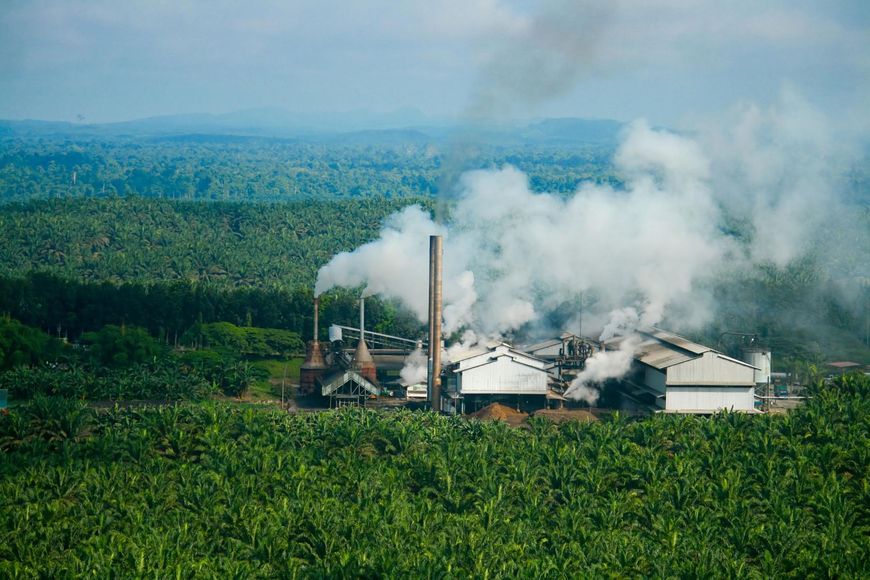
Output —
<point x="677" y="340"/>
<point x="540" y="345"/>
<point x="661" y="349"/>
<point x="492" y="353"/>
<point x="661" y="356"/>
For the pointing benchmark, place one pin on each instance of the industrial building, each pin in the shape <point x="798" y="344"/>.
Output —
<point x="501" y="373"/>
<point x="669" y="372"/>
<point x="348" y="389"/>
<point x="675" y="375"/>
<point x="341" y="379"/>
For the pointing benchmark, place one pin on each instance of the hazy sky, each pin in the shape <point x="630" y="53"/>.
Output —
<point x="112" y="60"/>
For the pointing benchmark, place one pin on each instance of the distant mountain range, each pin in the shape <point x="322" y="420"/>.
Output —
<point x="404" y="126"/>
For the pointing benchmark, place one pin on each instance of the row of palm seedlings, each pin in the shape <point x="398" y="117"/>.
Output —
<point x="216" y="490"/>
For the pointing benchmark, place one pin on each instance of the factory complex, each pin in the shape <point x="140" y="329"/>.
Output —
<point x="666" y="372"/>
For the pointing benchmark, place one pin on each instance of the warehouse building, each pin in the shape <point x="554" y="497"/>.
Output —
<point x="500" y="374"/>
<point x="675" y="375"/>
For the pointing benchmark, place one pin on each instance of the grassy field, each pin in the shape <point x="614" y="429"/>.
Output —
<point x="280" y="371"/>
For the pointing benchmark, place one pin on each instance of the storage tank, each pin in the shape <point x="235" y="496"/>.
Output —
<point x="759" y="357"/>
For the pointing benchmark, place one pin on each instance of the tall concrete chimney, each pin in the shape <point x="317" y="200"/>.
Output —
<point x="435" y="252"/>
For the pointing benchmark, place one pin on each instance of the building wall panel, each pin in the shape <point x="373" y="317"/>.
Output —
<point x="711" y="369"/>
<point x="701" y="398"/>
<point x="504" y="376"/>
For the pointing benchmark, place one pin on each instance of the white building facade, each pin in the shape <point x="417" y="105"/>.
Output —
<point x="501" y="372"/>
<point x="676" y="375"/>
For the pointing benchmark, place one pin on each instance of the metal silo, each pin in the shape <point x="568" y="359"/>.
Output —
<point x="759" y="357"/>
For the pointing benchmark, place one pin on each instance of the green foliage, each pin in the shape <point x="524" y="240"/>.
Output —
<point x="230" y="245"/>
<point x="168" y="310"/>
<point x="122" y="345"/>
<point x="237" y="377"/>
<point x="23" y="345"/>
<point x="248" y="169"/>
<point x="218" y="490"/>
<point x="244" y="340"/>
<point x="161" y="380"/>
<point x="232" y="376"/>
<point x="46" y="419"/>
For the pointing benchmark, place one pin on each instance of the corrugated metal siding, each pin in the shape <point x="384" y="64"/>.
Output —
<point x="710" y="398"/>
<point x="678" y="341"/>
<point x="660" y="356"/>
<point x="504" y="376"/>
<point x="711" y="369"/>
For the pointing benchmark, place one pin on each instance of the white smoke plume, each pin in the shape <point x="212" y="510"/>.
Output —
<point x="415" y="369"/>
<point x="395" y="266"/>
<point x="645" y="251"/>
<point x="776" y="168"/>
<point x="511" y="254"/>
<point x="599" y="367"/>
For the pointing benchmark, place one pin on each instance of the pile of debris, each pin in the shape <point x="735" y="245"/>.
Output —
<point x="499" y="412"/>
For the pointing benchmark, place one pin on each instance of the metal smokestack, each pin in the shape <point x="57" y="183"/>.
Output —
<point x="435" y="251"/>
<point x="362" y="358"/>
<point x="316" y="318"/>
<point x="314" y="366"/>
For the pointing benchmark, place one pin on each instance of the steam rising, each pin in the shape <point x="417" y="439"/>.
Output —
<point x="649" y="250"/>
<point x="415" y="369"/>
<point x="513" y="254"/>
<point x="601" y="366"/>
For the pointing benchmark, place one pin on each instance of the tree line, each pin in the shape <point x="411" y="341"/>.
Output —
<point x="174" y="313"/>
<point x="148" y="240"/>
<point x="254" y="169"/>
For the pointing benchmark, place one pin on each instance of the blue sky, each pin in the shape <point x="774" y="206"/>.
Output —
<point x="666" y="60"/>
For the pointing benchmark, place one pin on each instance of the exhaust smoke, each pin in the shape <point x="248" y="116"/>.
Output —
<point x="650" y="251"/>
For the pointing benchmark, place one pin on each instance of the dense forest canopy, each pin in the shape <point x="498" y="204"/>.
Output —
<point x="213" y="167"/>
<point x="118" y="228"/>
<point x="147" y="240"/>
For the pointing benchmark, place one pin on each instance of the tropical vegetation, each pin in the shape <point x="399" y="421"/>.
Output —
<point x="223" y="491"/>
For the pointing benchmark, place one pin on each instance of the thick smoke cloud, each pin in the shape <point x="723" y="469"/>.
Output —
<point x="777" y="169"/>
<point x="512" y="255"/>
<point x="395" y="266"/>
<point x="649" y="252"/>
